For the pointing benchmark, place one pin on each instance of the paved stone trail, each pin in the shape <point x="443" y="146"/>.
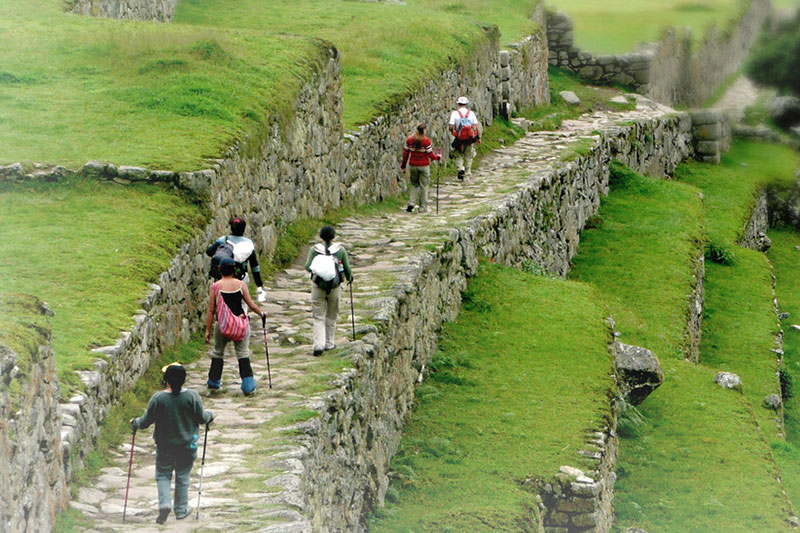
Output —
<point x="251" y="472"/>
<point x="741" y="94"/>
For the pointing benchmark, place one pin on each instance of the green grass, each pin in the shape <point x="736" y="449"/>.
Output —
<point x="785" y="257"/>
<point x="89" y="249"/>
<point x="75" y="88"/>
<point x="733" y="187"/>
<point x="699" y="463"/>
<point x="516" y="383"/>
<point x="549" y="117"/>
<point x="617" y="26"/>
<point x="387" y="48"/>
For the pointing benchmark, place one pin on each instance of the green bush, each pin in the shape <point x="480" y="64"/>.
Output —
<point x="720" y="254"/>
<point x="776" y="59"/>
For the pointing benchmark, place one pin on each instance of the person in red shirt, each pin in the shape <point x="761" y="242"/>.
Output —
<point x="418" y="154"/>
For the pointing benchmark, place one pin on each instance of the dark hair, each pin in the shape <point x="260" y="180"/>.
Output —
<point x="175" y="375"/>
<point x="419" y="136"/>
<point x="227" y="269"/>
<point x="237" y="226"/>
<point x="327" y="233"/>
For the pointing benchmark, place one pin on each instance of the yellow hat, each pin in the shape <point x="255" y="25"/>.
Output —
<point x="165" y="367"/>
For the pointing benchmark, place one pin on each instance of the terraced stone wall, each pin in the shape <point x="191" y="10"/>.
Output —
<point x="32" y="484"/>
<point x="359" y="426"/>
<point x="162" y="10"/>
<point x="297" y="169"/>
<point x="673" y="70"/>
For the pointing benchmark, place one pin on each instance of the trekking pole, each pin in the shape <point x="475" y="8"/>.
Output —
<point x="352" y="311"/>
<point x="202" y="465"/>
<point x="266" y="347"/>
<point x="128" y="484"/>
<point x="438" y="169"/>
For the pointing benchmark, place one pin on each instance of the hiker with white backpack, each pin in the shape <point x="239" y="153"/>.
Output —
<point x="466" y="132"/>
<point x="225" y="299"/>
<point x="327" y="261"/>
<point x="242" y="251"/>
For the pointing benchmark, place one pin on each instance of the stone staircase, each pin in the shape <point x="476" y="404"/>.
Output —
<point x="256" y="444"/>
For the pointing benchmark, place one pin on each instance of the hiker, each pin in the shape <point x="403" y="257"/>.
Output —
<point x="329" y="266"/>
<point x="225" y="299"/>
<point x="177" y="413"/>
<point x="417" y="154"/>
<point x="466" y="131"/>
<point x="242" y="250"/>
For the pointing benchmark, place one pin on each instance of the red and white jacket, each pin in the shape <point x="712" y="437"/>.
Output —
<point x="421" y="153"/>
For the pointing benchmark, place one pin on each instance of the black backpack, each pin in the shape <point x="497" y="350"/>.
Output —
<point x="226" y="250"/>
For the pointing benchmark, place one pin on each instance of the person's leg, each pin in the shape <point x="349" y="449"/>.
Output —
<point x="413" y="195"/>
<point x="215" y="372"/>
<point x="242" y="349"/>
<point x="164" y="467"/>
<point x="458" y="157"/>
<point x="469" y="155"/>
<point x="319" y="307"/>
<point x="424" y="182"/>
<point x="183" y="470"/>
<point x="331" y="314"/>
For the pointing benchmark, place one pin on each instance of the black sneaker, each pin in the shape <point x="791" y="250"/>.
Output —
<point x="410" y="208"/>
<point x="317" y="353"/>
<point x="461" y="175"/>
<point x="186" y="514"/>
<point x="163" y="514"/>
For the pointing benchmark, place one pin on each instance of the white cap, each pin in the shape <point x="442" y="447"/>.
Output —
<point x="462" y="100"/>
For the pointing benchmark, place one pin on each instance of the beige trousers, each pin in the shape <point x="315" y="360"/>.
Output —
<point x="464" y="160"/>
<point x="420" y="180"/>
<point x="324" y="310"/>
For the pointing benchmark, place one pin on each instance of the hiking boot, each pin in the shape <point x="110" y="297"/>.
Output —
<point x="331" y="347"/>
<point x="189" y="510"/>
<point x="214" y="384"/>
<point x="249" y="385"/>
<point x="317" y="353"/>
<point x="163" y="514"/>
<point x="423" y="210"/>
<point x="410" y="208"/>
<point x="461" y="174"/>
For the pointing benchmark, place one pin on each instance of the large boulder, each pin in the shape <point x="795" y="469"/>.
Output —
<point x="785" y="110"/>
<point x="638" y="372"/>
<point x="728" y="380"/>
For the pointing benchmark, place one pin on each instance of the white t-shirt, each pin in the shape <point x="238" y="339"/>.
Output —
<point x="456" y="115"/>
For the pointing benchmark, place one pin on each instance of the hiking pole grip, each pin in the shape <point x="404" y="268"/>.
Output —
<point x="202" y="467"/>
<point x="266" y="347"/>
<point x="128" y="484"/>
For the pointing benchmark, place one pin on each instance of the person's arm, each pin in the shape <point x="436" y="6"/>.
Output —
<point x="406" y="157"/>
<point x="147" y="418"/>
<point x="432" y="156"/>
<point x="255" y="269"/>
<point x="212" y="305"/>
<point x="249" y="301"/>
<point x="346" y="265"/>
<point x="211" y="250"/>
<point x="477" y="124"/>
<point x="200" y="415"/>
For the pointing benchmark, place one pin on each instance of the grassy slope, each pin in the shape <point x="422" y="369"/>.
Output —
<point x="88" y="249"/>
<point x="386" y="47"/>
<point x="684" y="470"/>
<point x="75" y="88"/>
<point x="785" y="256"/>
<point x="635" y="21"/>
<point x="501" y="406"/>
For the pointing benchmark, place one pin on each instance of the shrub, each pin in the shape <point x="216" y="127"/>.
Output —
<point x="786" y="383"/>
<point x="720" y="254"/>
<point x="776" y="59"/>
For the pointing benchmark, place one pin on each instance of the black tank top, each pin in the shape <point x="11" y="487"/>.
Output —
<point x="233" y="300"/>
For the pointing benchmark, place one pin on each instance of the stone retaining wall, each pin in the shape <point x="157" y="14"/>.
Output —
<point x="360" y="423"/>
<point x="162" y="10"/>
<point x="32" y="484"/>
<point x="711" y="133"/>
<point x="673" y="70"/>
<point x="301" y="168"/>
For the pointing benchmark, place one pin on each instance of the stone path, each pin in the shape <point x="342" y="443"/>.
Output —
<point x="741" y="94"/>
<point x="251" y="474"/>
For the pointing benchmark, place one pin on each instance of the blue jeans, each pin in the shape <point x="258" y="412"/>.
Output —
<point x="181" y="461"/>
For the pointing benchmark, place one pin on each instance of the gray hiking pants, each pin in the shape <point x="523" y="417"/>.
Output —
<point x="324" y="310"/>
<point x="420" y="179"/>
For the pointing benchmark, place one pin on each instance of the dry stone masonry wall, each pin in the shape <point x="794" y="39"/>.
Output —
<point x="32" y="484"/>
<point x="161" y="10"/>
<point x="301" y="169"/>
<point x="673" y="70"/>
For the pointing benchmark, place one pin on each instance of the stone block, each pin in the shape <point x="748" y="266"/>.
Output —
<point x="728" y="380"/>
<point x="707" y="147"/>
<point x="505" y="58"/>
<point x="585" y="520"/>
<point x="638" y="372"/>
<point x="701" y="118"/>
<point x="707" y="132"/>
